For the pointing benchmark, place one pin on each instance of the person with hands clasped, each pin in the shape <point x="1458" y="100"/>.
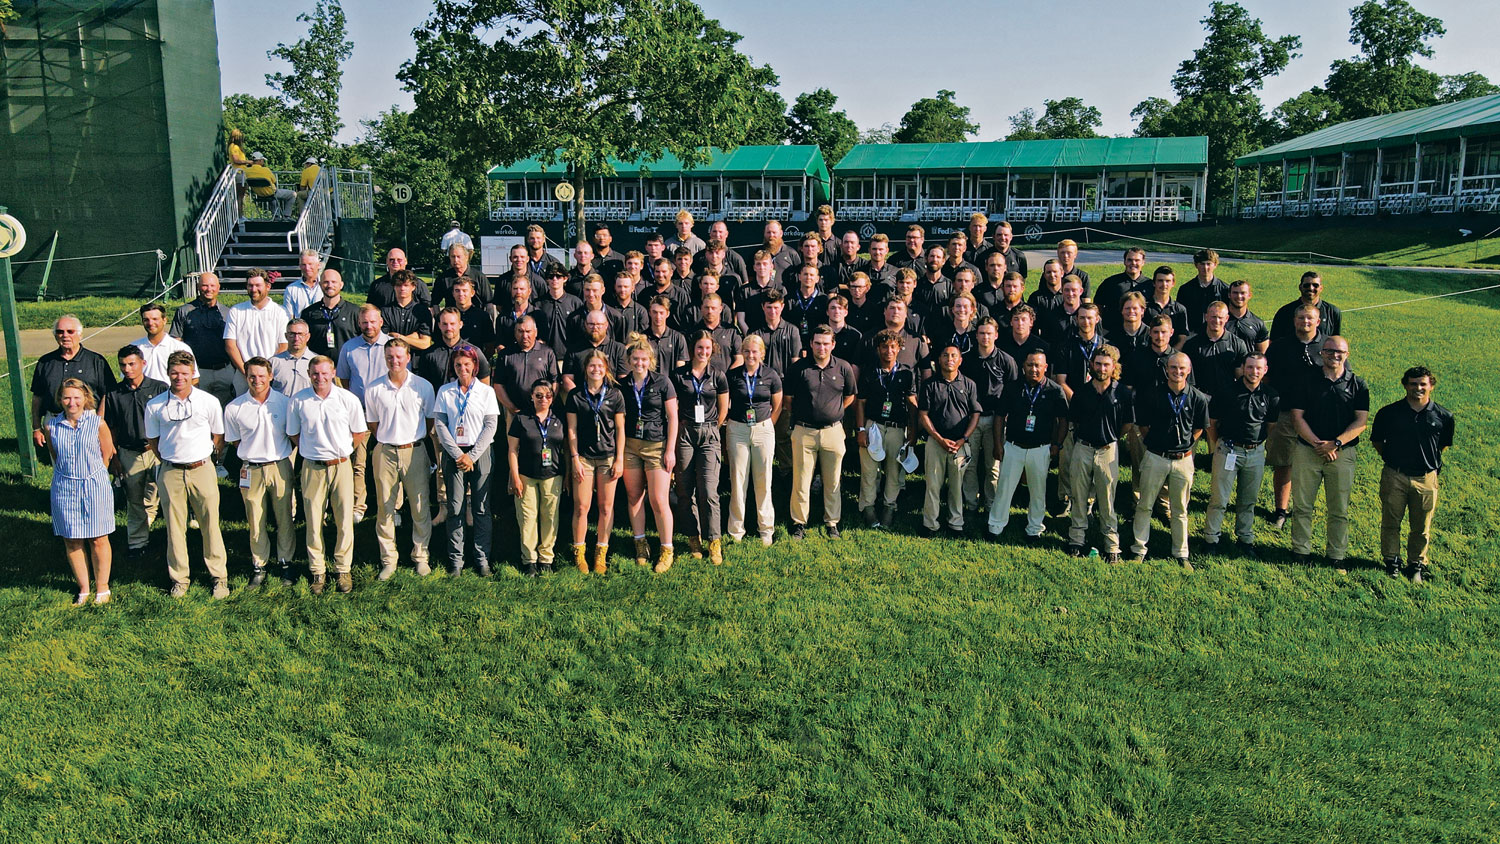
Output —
<point x="703" y="405"/>
<point x="466" y="416"/>
<point x="596" y="442"/>
<point x="537" y="442"/>
<point x="650" y="424"/>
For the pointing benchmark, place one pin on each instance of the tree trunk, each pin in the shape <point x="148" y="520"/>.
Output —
<point x="578" y="233"/>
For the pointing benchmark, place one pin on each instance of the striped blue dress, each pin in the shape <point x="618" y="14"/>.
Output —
<point x="83" y="501"/>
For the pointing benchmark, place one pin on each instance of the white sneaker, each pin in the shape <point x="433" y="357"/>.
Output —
<point x="359" y="516"/>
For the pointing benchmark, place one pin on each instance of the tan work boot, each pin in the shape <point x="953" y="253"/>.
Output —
<point x="716" y="551"/>
<point x="695" y="547"/>
<point x="581" y="558"/>
<point x="318" y="581"/>
<point x="601" y="559"/>
<point x="664" y="561"/>
<point x="345" y="582"/>
<point x="642" y="552"/>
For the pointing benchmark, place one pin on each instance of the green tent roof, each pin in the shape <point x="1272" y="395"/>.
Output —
<point x="1478" y="116"/>
<point x="771" y="160"/>
<point x="1084" y="155"/>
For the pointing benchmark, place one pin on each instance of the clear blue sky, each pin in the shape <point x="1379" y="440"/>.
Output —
<point x="1112" y="54"/>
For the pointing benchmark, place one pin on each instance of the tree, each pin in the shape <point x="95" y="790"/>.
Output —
<point x="1023" y="126"/>
<point x="765" y="116"/>
<point x="882" y="134"/>
<point x="1466" y="86"/>
<point x="1217" y="91"/>
<point x="579" y="82"/>
<point x="312" y="89"/>
<point x="1383" y="78"/>
<point x="1309" y="111"/>
<point x="935" y="120"/>
<point x="812" y="120"/>
<point x="1064" y="118"/>
<point x="268" y="127"/>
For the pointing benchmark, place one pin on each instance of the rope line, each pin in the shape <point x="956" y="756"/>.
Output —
<point x="157" y="252"/>
<point x="1420" y="299"/>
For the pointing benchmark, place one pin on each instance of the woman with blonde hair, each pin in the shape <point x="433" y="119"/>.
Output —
<point x="83" y="501"/>
<point x="596" y="424"/>
<point x="754" y="403"/>
<point x="650" y="424"/>
<point x="703" y="401"/>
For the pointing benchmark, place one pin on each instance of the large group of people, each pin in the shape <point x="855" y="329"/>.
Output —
<point x="551" y="384"/>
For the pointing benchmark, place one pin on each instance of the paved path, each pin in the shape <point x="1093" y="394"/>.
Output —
<point x="36" y="342"/>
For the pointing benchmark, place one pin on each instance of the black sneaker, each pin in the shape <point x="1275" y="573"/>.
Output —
<point x="832" y="531"/>
<point x="135" y="553"/>
<point x="1247" y="550"/>
<point x="1302" y="559"/>
<point x="799" y="531"/>
<point x="1421" y="573"/>
<point x="871" y="519"/>
<point x="992" y="536"/>
<point x="928" y="532"/>
<point x="287" y="577"/>
<point x="1278" y="519"/>
<point x="1393" y="566"/>
<point x="1211" y="546"/>
<point x="1076" y="550"/>
<point x="257" y="579"/>
<point x="531" y="570"/>
<point x="546" y="569"/>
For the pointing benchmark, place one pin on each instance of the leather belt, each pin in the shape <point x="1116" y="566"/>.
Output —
<point x="258" y="465"/>
<point x="334" y="462"/>
<point x="186" y="466"/>
<point x="392" y="445"/>
<point x="1172" y="455"/>
<point x="1091" y="445"/>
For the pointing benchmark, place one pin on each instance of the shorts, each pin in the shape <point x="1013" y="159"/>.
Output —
<point x="1281" y="442"/>
<point x="643" y="454"/>
<point x="598" y="464"/>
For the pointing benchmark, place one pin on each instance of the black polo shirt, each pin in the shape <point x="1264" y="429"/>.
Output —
<point x="1040" y="405"/>
<point x="944" y="333"/>
<point x="1100" y="418"/>
<point x="901" y="258"/>
<point x="552" y="319"/>
<point x="949" y="404"/>
<point x="414" y="318"/>
<point x="991" y="374"/>
<point x="868" y="317"/>
<point x="783" y="347"/>
<point x="506" y="317"/>
<point x="783" y="258"/>
<point x="610" y="263"/>
<point x="625" y="320"/>
<point x="1284" y="323"/>
<point x="596" y="419"/>
<point x="125" y="412"/>
<point x="914" y="353"/>
<point x="646" y="406"/>
<point x="727" y="340"/>
<point x="1242" y="414"/>
<point x="1146" y="369"/>
<point x="383" y="292"/>
<point x="1328" y="405"/>
<point x="442" y="287"/>
<point x="1174" y="310"/>
<point x="671" y="347"/>
<point x="887" y="393"/>
<point x="1073" y="356"/>
<point x="1290" y="361"/>
<point x="1214" y="361"/>
<point x="1083" y="276"/>
<point x="694" y="392"/>
<point x="330" y="329"/>
<point x="532" y="434"/>
<point x="840" y="273"/>
<point x="614" y="351"/>
<point x="1020" y="351"/>
<point x="883" y="279"/>
<point x="1196" y="297"/>
<point x="1250" y="328"/>
<point x="52" y="369"/>
<point x="435" y="364"/>
<point x="201" y="326"/>
<point x="1015" y="262"/>
<point x="805" y="312"/>
<point x="678" y="295"/>
<point x="478" y="326"/>
<point x="1171" y="419"/>
<point x="849" y="344"/>
<point x="1127" y="344"/>
<point x="818" y="392"/>
<point x="517" y="370"/>
<point x="747" y="391"/>
<point x="1412" y="441"/>
<point x="1112" y="290"/>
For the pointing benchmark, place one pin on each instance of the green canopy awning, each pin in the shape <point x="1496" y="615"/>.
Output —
<point x="771" y="161"/>
<point x="1479" y="116"/>
<point x="1086" y="155"/>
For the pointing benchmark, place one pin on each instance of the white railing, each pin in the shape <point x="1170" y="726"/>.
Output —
<point x="666" y="209"/>
<point x="316" y="219"/>
<point x="738" y="210"/>
<point x="952" y="209"/>
<point x="871" y="210"/>
<point x="608" y="209"/>
<point x="216" y="223"/>
<point x="353" y="194"/>
<point x="521" y="209"/>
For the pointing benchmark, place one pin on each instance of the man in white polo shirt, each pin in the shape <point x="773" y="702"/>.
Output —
<point x="256" y="328"/>
<point x="397" y="407"/>
<point x="361" y="362"/>
<point x="256" y="421"/>
<point x="326" y="424"/>
<point x="185" y="428"/>
<point x="157" y="346"/>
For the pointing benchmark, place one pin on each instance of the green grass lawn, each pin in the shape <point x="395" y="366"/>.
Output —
<point x="97" y="311"/>
<point x="886" y="688"/>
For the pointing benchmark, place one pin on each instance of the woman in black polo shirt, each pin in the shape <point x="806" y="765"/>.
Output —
<point x="650" y="423"/>
<point x="596" y="417"/>
<point x="537" y="450"/>
<point x="703" y="405"/>
<point x="754" y="403"/>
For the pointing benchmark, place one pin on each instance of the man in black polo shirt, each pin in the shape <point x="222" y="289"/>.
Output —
<point x="1171" y="419"/>
<point x="821" y="388"/>
<point x="406" y="317"/>
<point x="459" y="265"/>
<point x="1029" y="432"/>
<point x="806" y="305"/>
<point x="947" y="411"/>
<point x="843" y="268"/>
<point x="913" y="255"/>
<point x="671" y="346"/>
<point x="1330" y="318"/>
<point x="553" y="308"/>
<point x="1292" y="360"/>
<point x="435" y="363"/>
<point x="991" y="370"/>
<point x="1021" y="340"/>
<point x="1114" y="288"/>
<point x="1216" y="354"/>
<point x="1243" y="322"/>
<point x="606" y="258"/>
<point x="595" y="335"/>
<point x="1410" y="435"/>
<point x="69" y="360"/>
<point x="1241" y="417"/>
<point x="123" y="409"/>
<point x="726" y="337"/>
<point x="1015" y="260"/>
<point x="1160" y="302"/>
<point x="200" y="324"/>
<point x="526" y="363"/>
<point x="887" y="401"/>
<point x="383" y="290"/>
<point x="508" y="313"/>
<point x="663" y="284"/>
<point x="1100" y="412"/>
<point x="478" y="320"/>
<point x="783" y="348"/>
<point x="627" y="316"/>
<point x="537" y="257"/>
<point x="331" y="322"/>
<point x="914" y="352"/>
<point x="782" y="255"/>
<point x="1204" y="288"/>
<point x="1330" y="411"/>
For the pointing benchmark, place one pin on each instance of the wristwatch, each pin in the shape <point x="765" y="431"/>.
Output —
<point x="1338" y="443"/>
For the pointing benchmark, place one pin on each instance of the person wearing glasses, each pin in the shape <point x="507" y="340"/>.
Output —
<point x="83" y="504"/>
<point x="1330" y="410"/>
<point x="69" y="360"/>
<point x="465" y="418"/>
<point x="185" y="429"/>
<point x="289" y="368"/>
<point x="537" y="444"/>
<point x="1330" y="318"/>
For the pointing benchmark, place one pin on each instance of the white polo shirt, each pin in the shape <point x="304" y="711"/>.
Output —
<point x="258" y="427"/>
<point x="361" y="362"/>
<point x="156" y="356"/>
<point x="297" y="296"/>
<point x="399" y="413"/>
<point x="184" y="428"/>
<point x="257" y="331"/>
<point x="455" y="409"/>
<point x="325" y="427"/>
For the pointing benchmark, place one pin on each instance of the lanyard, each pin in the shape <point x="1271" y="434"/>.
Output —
<point x="698" y="385"/>
<point x="750" y="384"/>
<point x="463" y="405"/>
<point x="596" y="406"/>
<point x="887" y="377"/>
<point x="640" y="396"/>
<point x="1178" y="402"/>
<point x="1032" y="395"/>
<point x="1088" y="351"/>
<point x="963" y="341"/>
<point x="543" y="427"/>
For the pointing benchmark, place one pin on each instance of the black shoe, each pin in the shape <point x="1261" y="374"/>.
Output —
<point x="546" y="569"/>
<point x="992" y="536"/>
<point x="928" y="532"/>
<point x="799" y="531"/>
<point x="1247" y="550"/>
<point x="135" y="553"/>
<point x="1393" y="566"/>
<point x="1211" y="546"/>
<point x="455" y="571"/>
<point x="483" y="569"/>
<point x="888" y="515"/>
<point x="1421" y="573"/>
<point x="257" y="578"/>
<point x="871" y="519"/>
<point x="1033" y="541"/>
<point x="1278" y="519"/>
<point x="287" y="577"/>
<point x="1076" y="550"/>
<point x="832" y="531"/>
<point x="1302" y="559"/>
<point x="531" y="570"/>
<point x="955" y="532"/>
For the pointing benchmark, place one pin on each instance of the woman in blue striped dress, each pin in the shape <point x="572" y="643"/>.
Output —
<point x="83" y="502"/>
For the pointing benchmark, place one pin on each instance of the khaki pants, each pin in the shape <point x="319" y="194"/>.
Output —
<point x="823" y="449"/>
<point x="400" y="470"/>
<point x="751" y="448"/>
<point x="1243" y="481"/>
<point x="273" y="480"/>
<point x="1310" y="471"/>
<point x="945" y="474"/>
<point x="1177" y="477"/>
<point x="983" y="472"/>
<point x="882" y="477"/>
<point x="1065" y="468"/>
<point x="1033" y="462"/>
<point x="1094" y="474"/>
<point x="1401" y="495"/>
<point x="536" y="516"/>
<point x="140" y="495"/>
<point x="359" y="462"/>
<point x="199" y="489"/>
<point x="334" y="486"/>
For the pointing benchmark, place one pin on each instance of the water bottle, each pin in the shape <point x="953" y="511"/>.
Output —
<point x="1093" y="553"/>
